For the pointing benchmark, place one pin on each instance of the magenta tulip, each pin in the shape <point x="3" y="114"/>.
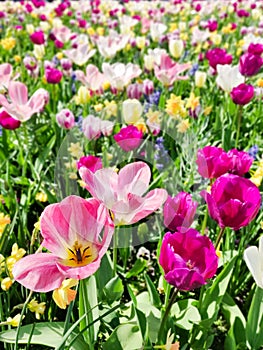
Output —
<point x="256" y="49"/>
<point x="218" y="56"/>
<point x="188" y="259"/>
<point x="212" y="162"/>
<point x="72" y="233"/>
<point x="240" y="162"/>
<point x="129" y="138"/>
<point x="90" y="162"/>
<point x="7" y="122"/>
<point x="250" y="64"/>
<point x="242" y="94"/>
<point x="179" y="211"/>
<point x="37" y="38"/>
<point x="53" y="75"/>
<point x="234" y="201"/>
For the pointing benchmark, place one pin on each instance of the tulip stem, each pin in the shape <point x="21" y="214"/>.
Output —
<point x="204" y="223"/>
<point x="115" y="251"/>
<point x="165" y="316"/>
<point x="239" y="117"/>
<point x="222" y="229"/>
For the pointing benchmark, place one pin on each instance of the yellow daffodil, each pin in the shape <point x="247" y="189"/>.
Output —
<point x="175" y="107"/>
<point x="37" y="308"/>
<point x="64" y="294"/>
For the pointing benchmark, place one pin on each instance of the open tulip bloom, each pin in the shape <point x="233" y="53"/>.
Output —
<point x="253" y="257"/>
<point x="72" y="233"/>
<point x="122" y="193"/>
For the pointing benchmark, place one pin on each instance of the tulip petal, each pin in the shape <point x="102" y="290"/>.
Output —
<point x="18" y="92"/>
<point x="38" y="272"/>
<point x="253" y="261"/>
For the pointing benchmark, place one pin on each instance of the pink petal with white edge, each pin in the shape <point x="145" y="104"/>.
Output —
<point x="38" y="272"/>
<point x="133" y="178"/>
<point x="18" y="92"/>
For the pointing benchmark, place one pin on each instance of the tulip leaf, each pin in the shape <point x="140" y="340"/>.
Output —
<point x="139" y="266"/>
<point x="113" y="289"/>
<point x="142" y="323"/>
<point x="255" y="320"/>
<point x="154" y="296"/>
<point x="44" y="333"/>
<point x="124" y="337"/>
<point x="236" y="320"/>
<point x="185" y="313"/>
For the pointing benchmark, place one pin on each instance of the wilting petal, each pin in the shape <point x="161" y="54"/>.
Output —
<point x="18" y="92"/>
<point x="38" y="272"/>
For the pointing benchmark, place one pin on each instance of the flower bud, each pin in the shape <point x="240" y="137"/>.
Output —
<point x="242" y="94"/>
<point x="200" y="79"/>
<point x="176" y="47"/>
<point x="131" y="111"/>
<point x="65" y="118"/>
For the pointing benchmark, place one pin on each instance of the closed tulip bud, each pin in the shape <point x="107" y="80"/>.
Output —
<point x="250" y="64"/>
<point x="83" y="95"/>
<point x="65" y="118"/>
<point x="148" y="87"/>
<point x="134" y="91"/>
<point x="37" y="38"/>
<point x="39" y="51"/>
<point x="53" y="75"/>
<point x="140" y="42"/>
<point x="200" y="79"/>
<point x="148" y="62"/>
<point x="242" y="94"/>
<point x="176" y="47"/>
<point x="131" y="111"/>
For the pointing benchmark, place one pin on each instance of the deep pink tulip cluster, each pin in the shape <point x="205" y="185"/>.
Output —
<point x="213" y="162"/>
<point x="218" y="56"/>
<point x="188" y="259"/>
<point x="234" y="201"/>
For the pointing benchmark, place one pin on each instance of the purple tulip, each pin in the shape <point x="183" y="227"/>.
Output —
<point x="53" y="75"/>
<point x="90" y="162"/>
<point x="241" y="162"/>
<point x="212" y="162"/>
<point x="65" y="118"/>
<point x="250" y="64"/>
<point x="234" y="201"/>
<point x="37" y="38"/>
<point x="129" y="138"/>
<point x="7" y="122"/>
<point x="179" y="211"/>
<point x="256" y="49"/>
<point x="218" y="56"/>
<point x="188" y="259"/>
<point x="242" y="94"/>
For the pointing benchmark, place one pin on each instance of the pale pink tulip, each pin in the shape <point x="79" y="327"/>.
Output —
<point x="168" y="71"/>
<point x="72" y="233"/>
<point x="93" y="79"/>
<point x="5" y="74"/>
<point x="81" y="54"/>
<point x="122" y="193"/>
<point x="20" y="107"/>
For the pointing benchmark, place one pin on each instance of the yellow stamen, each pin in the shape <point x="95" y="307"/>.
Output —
<point x="80" y="255"/>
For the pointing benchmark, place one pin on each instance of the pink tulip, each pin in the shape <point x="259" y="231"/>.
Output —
<point x="250" y="64"/>
<point x="179" y="212"/>
<point x="93" y="127"/>
<point x="90" y="162"/>
<point x="167" y="72"/>
<point x="240" y="162"/>
<point x="6" y="70"/>
<point x="134" y="91"/>
<point x="93" y="79"/>
<point x="129" y="138"/>
<point x="234" y="201"/>
<point x="7" y="122"/>
<point x="38" y="38"/>
<point x="122" y="193"/>
<point x="242" y="94"/>
<point x="65" y="118"/>
<point x="188" y="259"/>
<point x="256" y="49"/>
<point x="53" y="75"/>
<point x="20" y="107"/>
<point x="72" y="233"/>
<point x="218" y="56"/>
<point x="212" y="162"/>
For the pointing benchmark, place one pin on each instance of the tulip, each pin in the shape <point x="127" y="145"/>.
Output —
<point x="250" y="64"/>
<point x="242" y="94"/>
<point x="218" y="56"/>
<point x="129" y="138"/>
<point x="240" y="162"/>
<point x="123" y="193"/>
<point x="256" y="49"/>
<point x="148" y="87"/>
<point x="37" y="38"/>
<point x="234" y="201"/>
<point x="90" y="162"/>
<point x="65" y="118"/>
<point x="134" y="91"/>
<point x="7" y="122"/>
<point x="189" y="259"/>
<point x="212" y="162"/>
<point x="253" y="257"/>
<point x="131" y="111"/>
<point x="179" y="211"/>
<point x="53" y="75"/>
<point x="200" y="79"/>
<point x="72" y="233"/>
<point x="176" y="47"/>
<point x="228" y="77"/>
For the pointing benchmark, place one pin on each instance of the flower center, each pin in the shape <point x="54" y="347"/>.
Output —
<point x="190" y="264"/>
<point x="80" y="255"/>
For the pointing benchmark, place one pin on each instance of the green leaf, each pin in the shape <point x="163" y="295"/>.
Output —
<point x="139" y="266"/>
<point x="48" y="334"/>
<point x="124" y="337"/>
<point x="142" y="323"/>
<point x="185" y="313"/>
<point x="255" y="320"/>
<point x="113" y="289"/>
<point x="154" y="295"/>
